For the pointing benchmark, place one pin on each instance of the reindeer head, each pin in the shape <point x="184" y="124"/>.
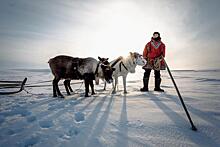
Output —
<point x="104" y="60"/>
<point x="106" y="69"/>
<point x="138" y="59"/>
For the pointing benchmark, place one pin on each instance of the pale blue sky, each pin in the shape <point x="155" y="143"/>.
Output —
<point x="33" y="31"/>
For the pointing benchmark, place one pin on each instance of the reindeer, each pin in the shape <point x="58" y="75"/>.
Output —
<point x="87" y="69"/>
<point x="124" y="66"/>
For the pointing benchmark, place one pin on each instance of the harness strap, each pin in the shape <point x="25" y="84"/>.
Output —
<point x="116" y="61"/>
<point x="121" y="63"/>
<point x="97" y="67"/>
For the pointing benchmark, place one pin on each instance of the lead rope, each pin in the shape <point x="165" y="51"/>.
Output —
<point x="79" y="87"/>
<point x="28" y="92"/>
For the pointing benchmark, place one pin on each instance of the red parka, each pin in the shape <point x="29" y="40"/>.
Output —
<point x="152" y="50"/>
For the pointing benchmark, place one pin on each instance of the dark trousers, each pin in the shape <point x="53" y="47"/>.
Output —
<point x="148" y="71"/>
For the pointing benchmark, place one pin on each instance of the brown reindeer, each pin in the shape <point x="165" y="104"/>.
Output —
<point x="67" y="81"/>
<point x="88" y="69"/>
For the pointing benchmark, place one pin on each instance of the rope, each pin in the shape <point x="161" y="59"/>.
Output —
<point x="40" y="82"/>
<point x="28" y="92"/>
<point x="22" y="86"/>
<point x="29" y="85"/>
<point x="79" y="87"/>
<point x="10" y="81"/>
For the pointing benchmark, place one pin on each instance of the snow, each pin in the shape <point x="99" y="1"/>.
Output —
<point x="114" y="120"/>
<point x="79" y="116"/>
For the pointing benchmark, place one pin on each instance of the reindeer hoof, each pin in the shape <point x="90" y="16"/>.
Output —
<point x="86" y="95"/>
<point x="125" y="92"/>
<point x="113" y="92"/>
<point x="93" y="93"/>
<point x="61" y="96"/>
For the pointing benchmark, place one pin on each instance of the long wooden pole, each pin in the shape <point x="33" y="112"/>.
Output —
<point x="180" y="97"/>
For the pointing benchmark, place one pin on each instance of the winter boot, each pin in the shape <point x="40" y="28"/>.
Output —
<point x="157" y="85"/>
<point x="145" y="82"/>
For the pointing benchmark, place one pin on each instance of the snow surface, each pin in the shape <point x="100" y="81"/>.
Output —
<point x="114" y="120"/>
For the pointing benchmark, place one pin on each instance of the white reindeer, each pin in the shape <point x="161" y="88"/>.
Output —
<point x="123" y="66"/>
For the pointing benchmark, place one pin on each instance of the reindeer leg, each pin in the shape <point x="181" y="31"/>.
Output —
<point x="86" y="87"/>
<point x="57" y="88"/>
<point x="54" y="88"/>
<point x="124" y="83"/>
<point x="71" y="90"/>
<point x="117" y="85"/>
<point x="104" y="85"/>
<point x="114" y="85"/>
<point x="92" y="86"/>
<point x="66" y="86"/>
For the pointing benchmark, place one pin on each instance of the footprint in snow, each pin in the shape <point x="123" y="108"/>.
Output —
<point x="51" y="104"/>
<point x="31" y="118"/>
<point x="2" y="119"/>
<point x="55" y="107"/>
<point x="30" y="141"/>
<point x="22" y="102"/>
<point x="73" y="131"/>
<point x="74" y="102"/>
<point x="22" y="111"/>
<point x="14" y="131"/>
<point x="10" y="132"/>
<point x="79" y="116"/>
<point x="46" y="124"/>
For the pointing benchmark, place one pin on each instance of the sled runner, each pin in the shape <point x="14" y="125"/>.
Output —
<point x="12" y="84"/>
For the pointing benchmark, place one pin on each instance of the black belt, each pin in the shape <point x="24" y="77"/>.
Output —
<point x="116" y="61"/>
<point x="97" y="67"/>
<point x="121" y="63"/>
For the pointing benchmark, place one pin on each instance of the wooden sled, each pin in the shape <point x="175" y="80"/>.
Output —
<point x="12" y="84"/>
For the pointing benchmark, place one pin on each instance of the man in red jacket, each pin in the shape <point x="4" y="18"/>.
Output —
<point x="153" y="53"/>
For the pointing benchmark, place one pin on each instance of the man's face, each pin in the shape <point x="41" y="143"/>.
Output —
<point x="155" y="35"/>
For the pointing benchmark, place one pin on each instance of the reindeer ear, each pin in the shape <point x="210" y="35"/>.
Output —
<point x="99" y="58"/>
<point x="131" y="53"/>
<point x="136" y="54"/>
<point x="107" y="58"/>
